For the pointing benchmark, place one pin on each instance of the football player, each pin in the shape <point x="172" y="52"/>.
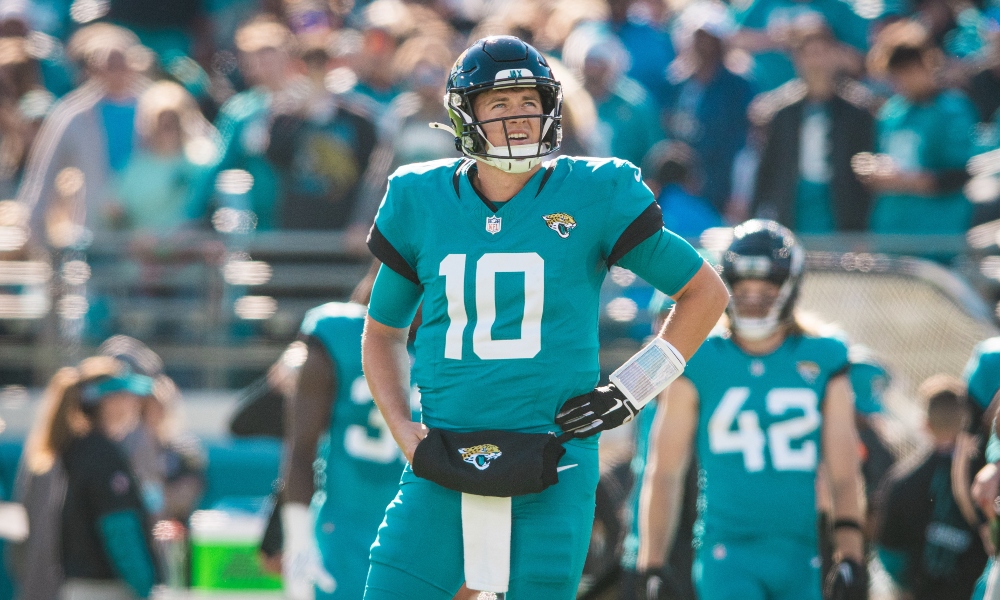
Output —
<point x="508" y="254"/>
<point x="763" y="402"/>
<point x="342" y="459"/>
<point x="982" y="375"/>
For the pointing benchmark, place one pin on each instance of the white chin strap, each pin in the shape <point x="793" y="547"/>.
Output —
<point x="759" y="328"/>
<point x="754" y="329"/>
<point x="512" y="164"/>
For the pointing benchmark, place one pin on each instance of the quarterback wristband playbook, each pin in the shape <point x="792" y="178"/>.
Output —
<point x="648" y="372"/>
<point x="488" y="467"/>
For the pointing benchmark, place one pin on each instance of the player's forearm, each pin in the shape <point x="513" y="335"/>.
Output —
<point x="658" y="517"/>
<point x="387" y="369"/>
<point x="696" y="311"/>
<point x="299" y="474"/>
<point x="848" y="505"/>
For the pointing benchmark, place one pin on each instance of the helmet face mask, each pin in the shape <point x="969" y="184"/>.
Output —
<point x="766" y="252"/>
<point x="503" y="62"/>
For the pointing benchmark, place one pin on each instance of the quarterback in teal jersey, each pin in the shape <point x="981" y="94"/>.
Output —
<point x="342" y="459"/>
<point x="764" y="403"/>
<point x="507" y="255"/>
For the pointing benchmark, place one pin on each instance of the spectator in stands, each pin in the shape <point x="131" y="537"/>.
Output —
<point x="423" y="63"/>
<point x="650" y="49"/>
<point x="168" y="462"/>
<point x="88" y="136"/>
<point x="925" y="135"/>
<point x="627" y="124"/>
<point x="376" y="84"/>
<point x="23" y="104"/>
<point x="174" y="146"/>
<point x="707" y="107"/>
<point x="309" y="152"/>
<point x="928" y="535"/>
<point x="269" y="63"/>
<point x="767" y="29"/>
<point x="40" y="27"/>
<point x="814" y="125"/>
<point x="101" y="541"/>
<point x="670" y="170"/>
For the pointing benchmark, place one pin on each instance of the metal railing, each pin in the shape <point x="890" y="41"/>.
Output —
<point x="221" y="307"/>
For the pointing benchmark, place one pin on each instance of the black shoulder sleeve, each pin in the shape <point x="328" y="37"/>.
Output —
<point x="385" y="252"/>
<point x="646" y="224"/>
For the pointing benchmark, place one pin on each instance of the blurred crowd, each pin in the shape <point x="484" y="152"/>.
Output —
<point x="825" y="115"/>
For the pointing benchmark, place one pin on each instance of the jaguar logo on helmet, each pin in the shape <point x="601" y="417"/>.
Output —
<point x="480" y="456"/>
<point x="497" y="62"/>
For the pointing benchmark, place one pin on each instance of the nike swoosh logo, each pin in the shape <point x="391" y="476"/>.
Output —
<point x="561" y="469"/>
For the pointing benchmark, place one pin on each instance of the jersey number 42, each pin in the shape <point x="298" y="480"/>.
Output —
<point x="732" y="429"/>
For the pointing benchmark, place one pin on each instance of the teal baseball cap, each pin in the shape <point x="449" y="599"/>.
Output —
<point x="133" y="383"/>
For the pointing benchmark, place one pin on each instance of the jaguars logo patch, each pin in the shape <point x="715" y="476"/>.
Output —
<point x="480" y="456"/>
<point x="561" y="223"/>
<point x="808" y="370"/>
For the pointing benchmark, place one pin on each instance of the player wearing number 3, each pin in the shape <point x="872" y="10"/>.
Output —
<point x="763" y="402"/>
<point x="507" y="254"/>
<point x="341" y="459"/>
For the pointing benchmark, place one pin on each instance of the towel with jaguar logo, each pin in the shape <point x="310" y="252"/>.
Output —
<point x="489" y="463"/>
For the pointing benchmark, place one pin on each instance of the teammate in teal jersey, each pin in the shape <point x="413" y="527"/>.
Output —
<point x="508" y="255"/>
<point x="764" y="402"/>
<point x="342" y="459"/>
<point x="982" y="375"/>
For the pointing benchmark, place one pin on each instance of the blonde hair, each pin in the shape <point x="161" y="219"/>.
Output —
<point x="61" y="419"/>
<point x="197" y="134"/>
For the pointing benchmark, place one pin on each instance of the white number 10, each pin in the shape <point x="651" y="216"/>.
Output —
<point x="483" y="345"/>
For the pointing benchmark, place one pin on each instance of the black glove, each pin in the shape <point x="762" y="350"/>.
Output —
<point x="658" y="584"/>
<point x="604" y="408"/>
<point x="848" y="580"/>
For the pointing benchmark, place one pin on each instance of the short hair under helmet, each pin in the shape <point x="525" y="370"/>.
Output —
<point x="766" y="250"/>
<point x="496" y="62"/>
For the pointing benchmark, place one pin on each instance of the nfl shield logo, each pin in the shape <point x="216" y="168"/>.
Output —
<point x="493" y="224"/>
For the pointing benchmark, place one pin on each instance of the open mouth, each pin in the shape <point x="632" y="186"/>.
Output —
<point x="517" y="138"/>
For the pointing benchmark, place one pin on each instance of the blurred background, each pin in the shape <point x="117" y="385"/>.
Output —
<point x="197" y="174"/>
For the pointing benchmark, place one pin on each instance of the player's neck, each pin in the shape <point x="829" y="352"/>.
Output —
<point x="763" y="346"/>
<point x="497" y="185"/>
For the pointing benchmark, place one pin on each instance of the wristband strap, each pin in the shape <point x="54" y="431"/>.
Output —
<point x="847" y="524"/>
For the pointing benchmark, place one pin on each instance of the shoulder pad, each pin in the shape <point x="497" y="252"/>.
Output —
<point x="765" y="106"/>
<point x="330" y="311"/>
<point x="421" y="168"/>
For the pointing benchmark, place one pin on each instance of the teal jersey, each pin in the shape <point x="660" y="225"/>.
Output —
<point x="359" y="464"/>
<point x="758" y="439"/>
<point x="982" y="372"/>
<point x="935" y="136"/>
<point x="511" y="298"/>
